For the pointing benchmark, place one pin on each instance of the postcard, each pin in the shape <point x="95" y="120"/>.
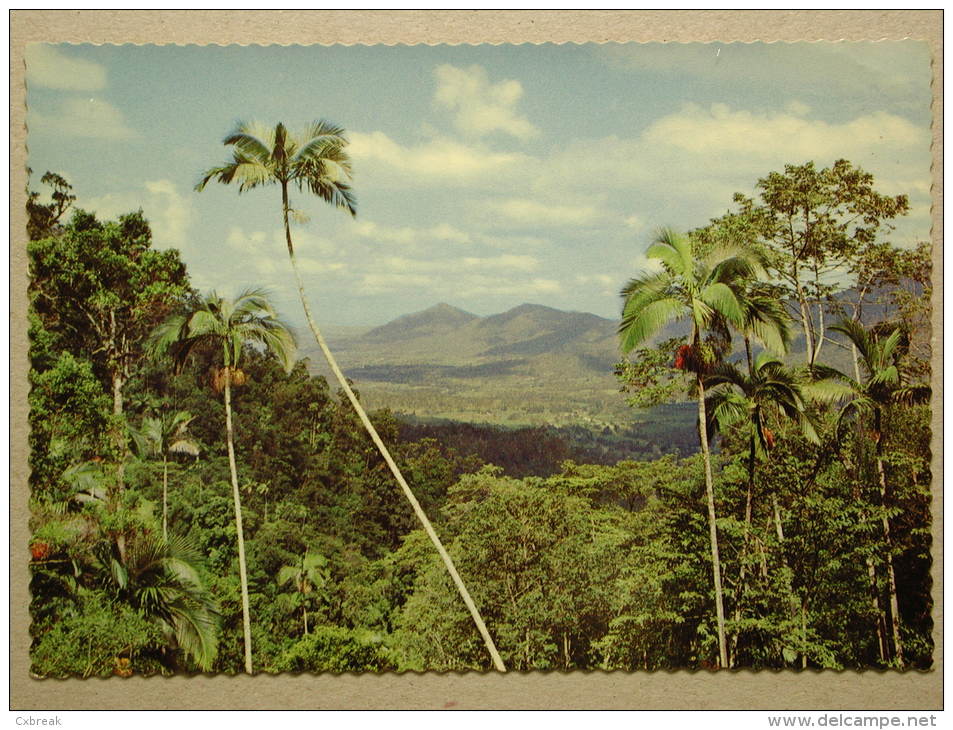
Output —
<point x="606" y="368"/>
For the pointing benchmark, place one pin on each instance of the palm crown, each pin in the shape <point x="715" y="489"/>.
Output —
<point x="701" y="289"/>
<point x="887" y="381"/>
<point x="314" y="159"/>
<point x="249" y="318"/>
<point x="750" y="399"/>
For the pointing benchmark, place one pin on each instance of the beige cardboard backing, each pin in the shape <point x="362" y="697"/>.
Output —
<point x="681" y="690"/>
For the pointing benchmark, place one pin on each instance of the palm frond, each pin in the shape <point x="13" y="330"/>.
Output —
<point x="253" y="302"/>
<point x="204" y="323"/>
<point x="728" y="408"/>
<point x="670" y="256"/>
<point x="184" y="446"/>
<point x="638" y="325"/>
<point x="888" y="345"/>
<point x="729" y="265"/>
<point x="337" y="193"/>
<point x="674" y="250"/>
<point x="726" y="373"/>
<point x="254" y="139"/>
<point x="768" y="321"/>
<point x="721" y="299"/>
<point x="828" y="390"/>
<point x="912" y="394"/>
<point x="859" y="337"/>
<point x="319" y="129"/>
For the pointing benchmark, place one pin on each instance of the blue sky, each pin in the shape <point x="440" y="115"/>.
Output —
<point x="487" y="176"/>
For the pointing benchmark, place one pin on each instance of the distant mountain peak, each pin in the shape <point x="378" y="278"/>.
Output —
<point x="444" y="308"/>
<point x="433" y="319"/>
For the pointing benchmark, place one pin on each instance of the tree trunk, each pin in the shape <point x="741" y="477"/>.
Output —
<point x="744" y="548"/>
<point x="803" y="634"/>
<point x="712" y="526"/>
<point x="872" y="578"/>
<point x="820" y="336"/>
<point x="418" y="510"/>
<point x="806" y="322"/>
<point x="236" y="497"/>
<point x="121" y="445"/>
<point x="793" y="601"/>
<point x="165" y="499"/>
<point x="891" y="577"/>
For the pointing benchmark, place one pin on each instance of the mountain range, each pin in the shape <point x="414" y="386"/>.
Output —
<point x="529" y="365"/>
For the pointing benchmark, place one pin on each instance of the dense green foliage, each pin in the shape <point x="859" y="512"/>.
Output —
<point x="581" y="550"/>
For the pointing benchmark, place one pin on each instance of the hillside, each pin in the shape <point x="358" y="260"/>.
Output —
<point x="529" y="365"/>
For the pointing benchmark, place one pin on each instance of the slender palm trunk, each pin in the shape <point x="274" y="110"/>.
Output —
<point x="891" y="577"/>
<point x="165" y="499"/>
<point x="236" y="497"/>
<point x="795" y="605"/>
<point x="744" y="548"/>
<point x="712" y="527"/>
<point x="122" y="447"/>
<point x="874" y="592"/>
<point x="418" y="510"/>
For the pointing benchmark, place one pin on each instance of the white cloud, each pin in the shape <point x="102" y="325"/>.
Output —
<point x="607" y="286"/>
<point x="452" y="266"/>
<point x="720" y="129"/>
<point x="481" y="107"/>
<point x="634" y="222"/>
<point x="513" y="243"/>
<point x="533" y="212"/>
<point x="797" y="108"/>
<point x="506" y="262"/>
<point x="379" y="282"/>
<point x="265" y="253"/>
<point x="686" y="166"/>
<point x="170" y="214"/>
<point x="82" y="117"/>
<point x="895" y="67"/>
<point x="408" y="236"/>
<point x="439" y="160"/>
<point x="48" y="66"/>
<point x="456" y="278"/>
<point x="603" y="279"/>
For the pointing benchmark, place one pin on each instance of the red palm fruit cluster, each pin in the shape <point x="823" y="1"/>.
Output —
<point x="683" y="356"/>
<point x="39" y="549"/>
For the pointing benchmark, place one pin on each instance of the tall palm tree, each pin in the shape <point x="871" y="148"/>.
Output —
<point x="160" y="437"/>
<point x="316" y="160"/>
<point x="161" y="580"/>
<point x="886" y="383"/>
<point x="307" y="575"/>
<point x="705" y="292"/>
<point x="230" y="324"/>
<point x="769" y="391"/>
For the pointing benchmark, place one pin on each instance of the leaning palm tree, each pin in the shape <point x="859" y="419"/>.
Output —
<point x="705" y="292"/>
<point x="887" y="383"/>
<point x="316" y="160"/>
<point x="159" y="438"/>
<point x="771" y="391"/>
<point x="230" y="324"/>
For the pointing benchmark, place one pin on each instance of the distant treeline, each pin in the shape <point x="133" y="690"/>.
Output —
<point x="541" y="450"/>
